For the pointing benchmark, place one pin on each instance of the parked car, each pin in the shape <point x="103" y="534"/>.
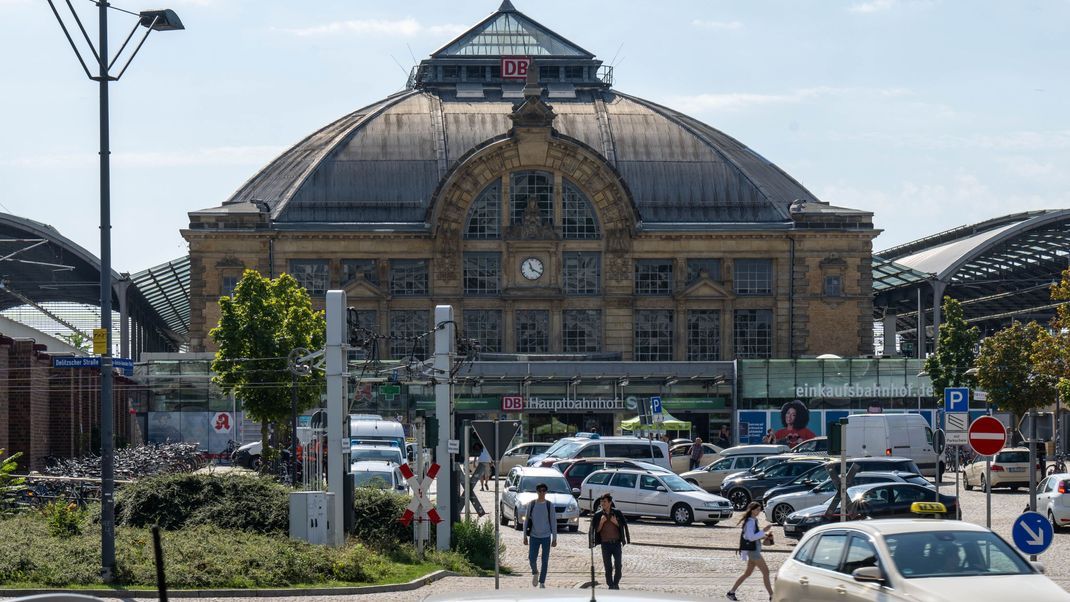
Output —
<point x="742" y="490"/>
<point x="680" y="440"/>
<point x="382" y="453"/>
<point x="729" y="461"/>
<point x="518" y="455"/>
<point x="520" y="490"/>
<point x="248" y="455"/>
<point x="877" y="500"/>
<point x="1010" y="468"/>
<point x="576" y="470"/>
<point x="380" y="475"/>
<point x="647" y="450"/>
<point x="1053" y="499"/>
<point x="680" y="456"/>
<point x="909" y="560"/>
<point x="779" y="507"/>
<point x="807" y="481"/>
<point x="817" y="446"/>
<point x="657" y="494"/>
<point x="900" y="435"/>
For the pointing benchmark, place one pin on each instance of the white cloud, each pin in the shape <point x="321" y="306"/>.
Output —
<point x="873" y="6"/>
<point x="1025" y="140"/>
<point x="407" y="27"/>
<point x="728" y="101"/>
<point x="222" y="155"/>
<point x="717" y="25"/>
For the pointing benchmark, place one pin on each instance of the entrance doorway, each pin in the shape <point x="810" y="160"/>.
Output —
<point x="551" y="427"/>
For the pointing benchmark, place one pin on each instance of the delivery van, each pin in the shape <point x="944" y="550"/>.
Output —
<point x="364" y="430"/>
<point x="899" y="435"/>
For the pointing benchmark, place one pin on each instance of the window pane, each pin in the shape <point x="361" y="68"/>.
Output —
<point x="227" y="285"/>
<point x="624" y="479"/>
<point x="531" y="191"/>
<point x="409" y="334"/>
<point x="833" y="286"/>
<point x="548" y="74"/>
<point x="754" y="276"/>
<point x="578" y="221"/>
<point x="653" y="335"/>
<point x="754" y="333"/>
<point x="484" y="216"/>
<point x="408" y="277"/>
<point x="360" y="268"/>
<point x="653" y="277"/>
<point x="704" y="335"/>
<point x="582" y="330"/>
<point x="695" y="267"/>
<point x="532" y="331"/>
<point x="482" y="273"/>
<point x="582" y="273"/>
<point x="485" y="326"/>
<point x="828" y="551"/>
<point x="311" y="274"/>
<point x="572" y="72"/>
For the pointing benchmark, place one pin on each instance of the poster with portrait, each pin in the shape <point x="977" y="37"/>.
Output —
<point x="791" y="426"/>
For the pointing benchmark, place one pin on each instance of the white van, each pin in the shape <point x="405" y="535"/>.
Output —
<point x="900" y="435"/>
<point x="646" y="450"/>
<point x="365" y="430"/>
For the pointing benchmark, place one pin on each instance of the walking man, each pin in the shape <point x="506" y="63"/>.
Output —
<point x="610" y="530"/>
<point x="540" y="527"/>
<point x="696" y="453"/>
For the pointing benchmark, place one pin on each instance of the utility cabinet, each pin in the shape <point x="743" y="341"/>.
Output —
<point x="310" y="513"/>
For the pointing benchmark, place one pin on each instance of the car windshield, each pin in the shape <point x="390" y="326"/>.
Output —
<point x="372" y="478"/>
<point x="918" y="480"/>
<point x="557" y="445"/>
<point x="814" y="474"/>
<point x="567" y="450"/>
<point x="675" y="483"/>
<point x="555" y="484"/>
<point x="764" y="465"/>
<point x="954" y="554"/>
<point x="385" y="454"/>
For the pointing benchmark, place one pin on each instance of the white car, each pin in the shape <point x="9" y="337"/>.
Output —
<point x="381" y="475"/>
<point x="778" y="508"/>
<point x="657" y="494"/>
<point x="518" y="455"/>
<point x="1053" y="499"/>
<point x="909" y="560"/>
<point x="680" y="456"/>
<point x="376" y="453"/>
<point x="520" y="491"/>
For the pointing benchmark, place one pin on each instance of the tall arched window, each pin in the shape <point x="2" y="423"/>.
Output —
<point x="578" y="221"/>
<point x="484" y="217"/>
<point x="531" y="187"/>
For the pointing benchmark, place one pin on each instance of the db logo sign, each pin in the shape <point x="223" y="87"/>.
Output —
<point x="515" y="67"/>
<point x="512" y="403"/>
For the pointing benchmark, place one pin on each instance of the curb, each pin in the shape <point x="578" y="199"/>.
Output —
<point x="241" y="593"/>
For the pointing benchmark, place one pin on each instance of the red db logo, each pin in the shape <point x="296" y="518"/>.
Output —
<point x="512" y="403"/>
<point x="515" y="67"/>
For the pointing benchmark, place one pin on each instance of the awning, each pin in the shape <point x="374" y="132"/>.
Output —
<point x="668" y="424"/>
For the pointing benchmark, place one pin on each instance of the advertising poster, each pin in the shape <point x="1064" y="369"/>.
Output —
<point x="791" y="426"/>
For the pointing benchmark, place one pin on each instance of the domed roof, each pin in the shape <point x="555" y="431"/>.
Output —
<point x="383" y="163"/>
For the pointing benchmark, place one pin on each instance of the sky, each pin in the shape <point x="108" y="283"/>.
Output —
<point x="930" y="113"/>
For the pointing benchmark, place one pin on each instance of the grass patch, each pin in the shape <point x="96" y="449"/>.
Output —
<point x="202" y="556"/>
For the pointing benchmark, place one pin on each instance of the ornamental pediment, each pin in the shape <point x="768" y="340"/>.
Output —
<point x="704" y="288"/>
<point x="362" y="289"/>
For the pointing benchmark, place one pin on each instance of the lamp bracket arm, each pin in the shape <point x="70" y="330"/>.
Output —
<point x="67" y="33"/>
<point x="137" y="49"/>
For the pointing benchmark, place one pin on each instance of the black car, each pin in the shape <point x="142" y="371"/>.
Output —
<point x="817" y="446"/>
<point x="876" y="500"/>
<point x="741" y="490"/>
<point x="820" y="474"/>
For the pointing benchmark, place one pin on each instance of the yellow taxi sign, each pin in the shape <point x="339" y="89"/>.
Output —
<point x="928" y="508"/>
<point x="100" y="341"/>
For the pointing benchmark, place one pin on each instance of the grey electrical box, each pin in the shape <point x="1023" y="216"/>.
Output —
<point x="310" y="513"/>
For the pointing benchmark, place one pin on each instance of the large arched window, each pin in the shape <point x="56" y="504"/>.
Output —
<point x="578" y="221"/>
<point x="484" y="217"/>
<point x="531" y="188"/>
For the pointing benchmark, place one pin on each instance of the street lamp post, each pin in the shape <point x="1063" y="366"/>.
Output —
<point x="152" y="20"/>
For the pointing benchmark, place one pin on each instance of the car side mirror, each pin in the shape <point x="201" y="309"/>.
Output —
<point x="868" y="574"/>
<point x="511" y="489"/>
<point x="661" y="489"/>
<point x="575" y="491"/>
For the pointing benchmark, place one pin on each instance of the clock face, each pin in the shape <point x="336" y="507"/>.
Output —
<point x="531" y="268"/>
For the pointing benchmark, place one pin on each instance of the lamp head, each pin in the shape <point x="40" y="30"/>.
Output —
<point x="161" y="20"/>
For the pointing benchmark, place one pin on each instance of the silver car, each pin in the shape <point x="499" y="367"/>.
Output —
<point x="778" y="508"/>
<point x="520" y="491"/>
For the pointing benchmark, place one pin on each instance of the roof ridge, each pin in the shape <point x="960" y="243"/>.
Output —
<point x="507" y="9"/>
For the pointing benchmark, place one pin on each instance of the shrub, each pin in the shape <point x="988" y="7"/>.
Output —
<point x="64" y="518"/>
<point x="233" y="501"/>
<point x="376" y="515"/>
<point x="9" y="485"/>
<point x="475" y="541"/>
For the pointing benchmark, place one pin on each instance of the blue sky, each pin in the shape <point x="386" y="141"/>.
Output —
<point x="929" y="113"/>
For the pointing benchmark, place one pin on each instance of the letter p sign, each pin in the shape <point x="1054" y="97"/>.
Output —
<point x="514" y="67"/>
<point x="957" y="399"/>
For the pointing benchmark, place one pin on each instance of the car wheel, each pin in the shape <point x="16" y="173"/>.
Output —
<point x="501" y="516"/>
<point x="682" y="514"/>
<point x="1054" y="523"/>
<point x="984" y="485"/>
<point x="255" y="462"/>
<point x="1014" y="488"/>
<point x="739" y="498"/>
<point x="966" y="481"/>
<point x="781" y="512"/>
<point x="517" y="523"/>
<point x="573" y="528"/>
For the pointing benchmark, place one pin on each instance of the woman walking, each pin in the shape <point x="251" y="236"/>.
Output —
<point x="750" y="548"/>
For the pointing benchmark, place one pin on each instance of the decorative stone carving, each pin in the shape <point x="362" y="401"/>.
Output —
<point x="532" y="226"/>
<point x="532" y="112"/>
<point x="229" y="261"/>
<point x="447" y="250"/>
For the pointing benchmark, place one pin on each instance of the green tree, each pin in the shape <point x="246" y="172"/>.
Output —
<point x="955" y="350"/>
<point x="1007" y="371"/>
<point x="9" y="484"/>
<point x="258" y="327"/>
<point x="78" y="341"/>
<point x="1052" y="353"/>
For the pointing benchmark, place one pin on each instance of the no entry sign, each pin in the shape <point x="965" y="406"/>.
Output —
<point x="987" y="435"/>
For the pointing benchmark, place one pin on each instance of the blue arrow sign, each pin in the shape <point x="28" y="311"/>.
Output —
<point x="655" y="404"/>
<point x="957" y="399"/>
<point x="1032" y="533"/>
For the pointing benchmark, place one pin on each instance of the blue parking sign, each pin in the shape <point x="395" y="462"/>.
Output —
<point x="957" y="399"/>
<point x="655" y="404"/>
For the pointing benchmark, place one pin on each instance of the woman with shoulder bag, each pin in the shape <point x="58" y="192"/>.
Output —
<point x="750" y="548"/>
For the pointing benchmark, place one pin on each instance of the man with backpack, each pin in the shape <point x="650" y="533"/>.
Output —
<point x="540" y="527"/>
<point x="609" y="530"/>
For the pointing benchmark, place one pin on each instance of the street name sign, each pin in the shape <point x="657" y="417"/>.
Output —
<point x="987" y="435"/>
<point x="1032" y="533"/>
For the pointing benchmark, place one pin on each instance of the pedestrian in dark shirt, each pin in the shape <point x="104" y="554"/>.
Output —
<point x="696" y="453"/>
<point x="540" y="527"/>
<point x="609" y="530"/>
<point x="724" y="437"/>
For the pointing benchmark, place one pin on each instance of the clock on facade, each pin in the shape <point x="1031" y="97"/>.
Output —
<point x="531" y="268"/>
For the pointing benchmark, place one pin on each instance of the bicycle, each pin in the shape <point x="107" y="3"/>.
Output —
<point x="1058" y="466"/>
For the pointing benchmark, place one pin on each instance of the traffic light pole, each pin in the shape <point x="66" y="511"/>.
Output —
<point x="337" y="398"/>
<point x="444" y="346"/>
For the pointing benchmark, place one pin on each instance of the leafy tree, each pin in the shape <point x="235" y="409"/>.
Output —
<point x="78" y="341"/>
<point x="1007" y="371"/>
<point x="258" y="327"/>
<point x="9" y="484"/>
<point x="1052" y="354"/>
<point x="955" y="351"/>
